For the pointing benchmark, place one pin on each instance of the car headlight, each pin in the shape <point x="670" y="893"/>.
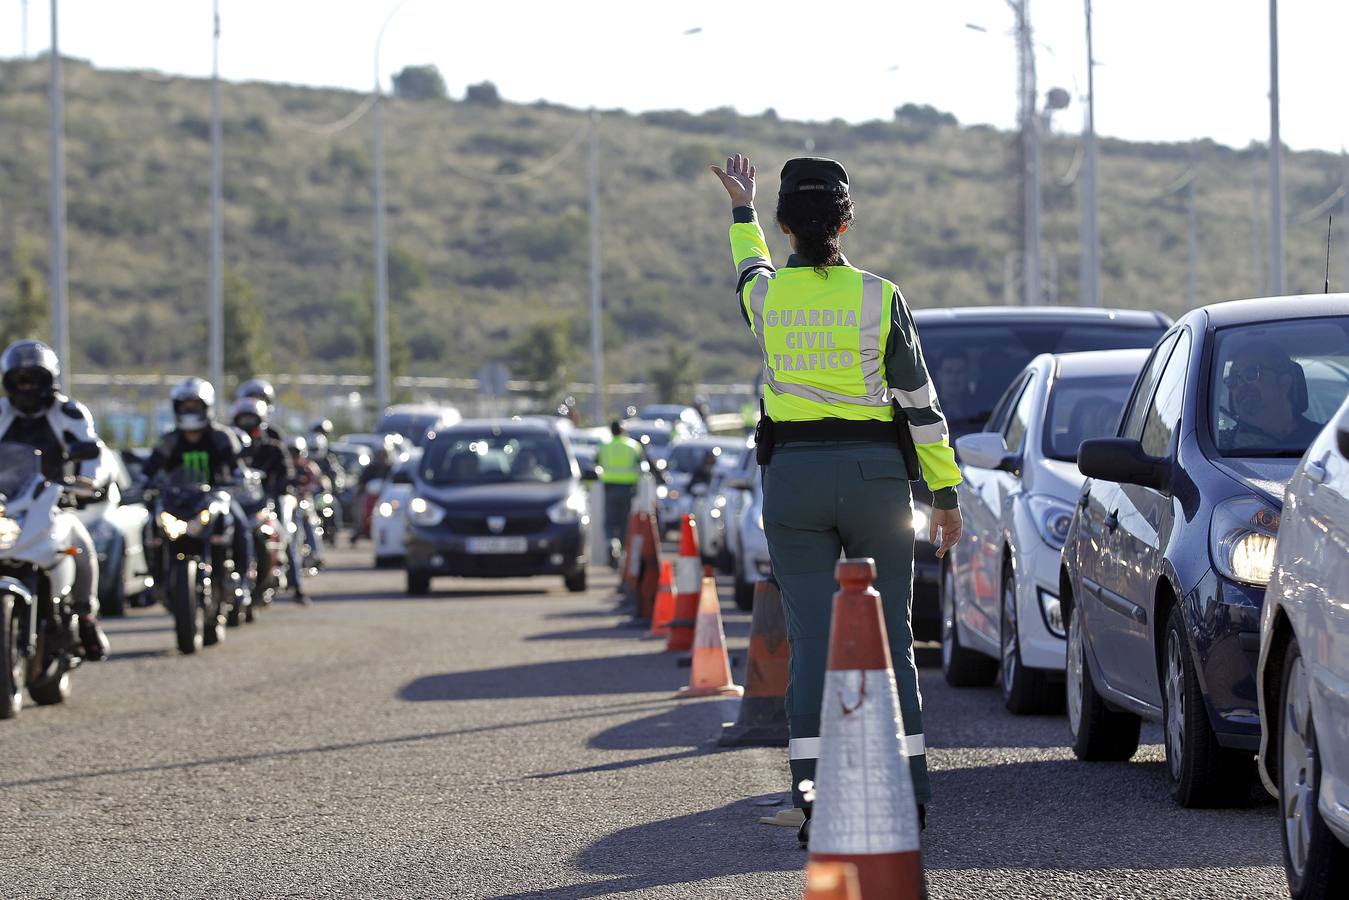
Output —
<point x="920" y="521"/>
<point x="662" y="492"/>
<point x="425" y="513"/>
<point x="568" y="510"/>
<point x="1242" y="539"/>
<point x="172" y="526"/>
<point x="1052" y="517"/>
<point x="387" y="508"/>
<point x="9" y="532"/>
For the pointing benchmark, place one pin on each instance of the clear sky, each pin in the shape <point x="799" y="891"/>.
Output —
<point x="1168" y="70"/>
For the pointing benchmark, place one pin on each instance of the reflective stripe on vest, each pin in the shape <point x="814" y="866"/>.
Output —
<point x="822" y="347"/>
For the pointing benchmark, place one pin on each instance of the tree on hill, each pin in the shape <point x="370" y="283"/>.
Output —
<point x="542" y="354"/>
<point x="673" y="377"/>
<point x="28" y="314"/>
<point x="248" y="348"/>
<point x="419" y="83"/>
<point x="483" y="94"/>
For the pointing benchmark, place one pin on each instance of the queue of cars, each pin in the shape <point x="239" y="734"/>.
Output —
<point x="1156" y="536"/>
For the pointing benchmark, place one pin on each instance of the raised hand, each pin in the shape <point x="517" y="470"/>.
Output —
<point x="738" y="179"/>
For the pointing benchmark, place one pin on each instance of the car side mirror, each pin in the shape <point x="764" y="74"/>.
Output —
<point x="1122" y="461"/>
<point x="588" y="473"/>
<point x="986" y="450"/>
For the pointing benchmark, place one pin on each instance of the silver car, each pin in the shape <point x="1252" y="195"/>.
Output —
<point x="999" y="586"/>
<point x="1304" y="669"/>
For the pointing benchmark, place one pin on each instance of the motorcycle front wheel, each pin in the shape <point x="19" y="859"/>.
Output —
<point x="12" y="663"/>
<point x="181" y="594"/>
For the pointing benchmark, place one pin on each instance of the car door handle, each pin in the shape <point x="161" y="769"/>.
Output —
<point x="1112" y="521"/>
<point x="1315" y="472"/>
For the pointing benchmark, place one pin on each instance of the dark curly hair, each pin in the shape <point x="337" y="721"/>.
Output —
<point x="814" y="218"/>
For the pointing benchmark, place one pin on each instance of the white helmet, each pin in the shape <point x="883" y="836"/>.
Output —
<point x="192" y="402"/>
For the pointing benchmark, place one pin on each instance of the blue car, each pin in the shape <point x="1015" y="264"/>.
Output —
<point x="1172" y="541"/>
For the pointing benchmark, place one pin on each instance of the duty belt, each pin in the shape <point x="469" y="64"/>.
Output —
<point x="770" y="434"/>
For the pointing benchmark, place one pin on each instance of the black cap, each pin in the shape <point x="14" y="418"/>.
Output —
<point x="813" y="173"/>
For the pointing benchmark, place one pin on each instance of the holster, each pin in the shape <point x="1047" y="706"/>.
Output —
<point x="907" y="448"/>
<point x="763" y="438"/>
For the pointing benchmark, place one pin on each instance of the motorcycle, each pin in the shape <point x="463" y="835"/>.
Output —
<point x="271" y="548"/>
<point x="191" y="531"/>
<point x="39" y="636"/>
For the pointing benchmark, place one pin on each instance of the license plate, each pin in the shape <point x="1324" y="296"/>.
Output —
<point x="497" y="545"/>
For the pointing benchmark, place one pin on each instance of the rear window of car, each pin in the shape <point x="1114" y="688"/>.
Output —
<point x="469" y="459"/>
<point x="971" y="364"/>
<point x="1080" y="409"/>
<point x="412" y="427"/>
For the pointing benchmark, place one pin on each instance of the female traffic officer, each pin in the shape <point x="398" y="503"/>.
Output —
<point x="846" y="401"/>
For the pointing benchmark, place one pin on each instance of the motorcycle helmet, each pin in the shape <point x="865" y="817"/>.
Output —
<point x="31" y="370"/>
<point x="318" y="444"/>
<point x="298" y="447"/>
<point x="249" y="414"/>
<point x="258" y="389"/>
<point x="322" y="426"/>
<point x="192" y="401"/>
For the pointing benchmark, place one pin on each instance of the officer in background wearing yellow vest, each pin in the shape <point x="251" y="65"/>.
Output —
<point x="619" y="460"/>
<point x="850" y="417"/>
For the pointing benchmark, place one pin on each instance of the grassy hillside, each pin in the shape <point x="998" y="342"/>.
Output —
<point x="485" y="245"/>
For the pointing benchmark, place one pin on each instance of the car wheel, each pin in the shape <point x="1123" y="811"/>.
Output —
<point x="1202" y="772"/>
<point x="962" y="667"/>
<point x="575" y="580"/>
<point x="1098" y="732"/>
<point x="1024" y="691"/>
<point x="725" y="561"/>
<point x="744" y="591"/>
<point x="1313" y="859"/>
<point x="419" y="583"/>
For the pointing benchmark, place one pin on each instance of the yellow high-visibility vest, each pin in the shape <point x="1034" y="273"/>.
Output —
<point x="620" y="460"/>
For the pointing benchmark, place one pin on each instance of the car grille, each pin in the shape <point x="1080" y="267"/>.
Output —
<point x="477" y="525"/>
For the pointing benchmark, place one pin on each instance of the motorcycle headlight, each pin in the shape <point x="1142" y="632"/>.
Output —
<point x="172" y="526"/>
<point x="1052" y="517"/>
<point x="662" y="492"/>
<point x="387" y="509"/>
<point x="568" y="510"/>
<point x="9" y="532"/>
<point x="1242" y="539"/>
<point x="425" y="513"/>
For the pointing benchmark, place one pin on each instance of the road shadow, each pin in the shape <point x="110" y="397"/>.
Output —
<point x="627" y="629"/>
<point x="121" y="626"/>
<point x="125" y="656"/>
<point x="621" y="674"/>
<point x="403" y="596"/>
<point x="1130" y="821"/>
<point x="723" y="841"/>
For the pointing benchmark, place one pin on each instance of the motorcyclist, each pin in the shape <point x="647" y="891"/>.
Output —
<point x="264" y="453"/>
<point x="209" y="452"/>
<point x="309" y="481"/>
<point x="320" y="452"/>
<point x="261" y="389"/>
<point x="35" y="413"/>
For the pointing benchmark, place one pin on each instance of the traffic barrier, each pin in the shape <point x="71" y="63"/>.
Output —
<point x="663" y="612"/>
<point x="762" y="721"/>
<point x="711" y="674"/>
<point x="648" y="581"/>
<point x="864" y="811"/>
<point x="687" y="588"/>
<point x="832" y="881"/>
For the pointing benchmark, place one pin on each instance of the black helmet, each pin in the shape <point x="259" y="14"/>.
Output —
<point x="192" y="401"/>
<point x="322" y="426"/>
<point x="249" y="414"/>
<point x="31" y="370"/>
<point x="258" y="389"/>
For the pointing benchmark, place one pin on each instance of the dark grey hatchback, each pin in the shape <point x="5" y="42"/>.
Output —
<point x="497" y="499"/>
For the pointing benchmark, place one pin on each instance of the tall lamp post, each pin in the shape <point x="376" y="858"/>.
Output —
<point x="1276" y="224"/>
<point x="217" y="317"/>
<point x="596" y="335"/>
<point x="1090" y="275"/>
<point x="60" y="316"/>
<point x="382" y="391"/>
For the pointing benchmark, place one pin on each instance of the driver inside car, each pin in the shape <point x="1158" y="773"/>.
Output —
<point x="1267" y="399"/>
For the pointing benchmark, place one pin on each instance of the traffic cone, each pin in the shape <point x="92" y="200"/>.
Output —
<point x="762" y="721"/>
<point x="624" y="585"/>
<point x="864" y="811"/>
<point x="648" y="581"/>
<point x="711" y="674"/>
<point x="832" y="881"/>
<point x="663" y="611"/>
<point x="687" y="588"/>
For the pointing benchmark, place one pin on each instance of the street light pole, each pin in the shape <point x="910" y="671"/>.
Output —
<point x="217" y="300"/>
<point x="596" y="336"/>
<point x="23" y="25"/>
<point x="1090" y="276"/>
<point x="382" y="392"/>
<point x="60" y="317"/>
<point x="1030" y="150"/>
<point x="1276" y="223"/>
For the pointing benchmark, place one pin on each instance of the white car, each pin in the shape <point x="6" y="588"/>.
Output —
<point x="999" y="585"/>
<point x="1303" y="671"/>
<point x="388" y="526"/>
<point x="686" y="456"/>
<point x="752" y="562"/>
<point x="717" y="508"/>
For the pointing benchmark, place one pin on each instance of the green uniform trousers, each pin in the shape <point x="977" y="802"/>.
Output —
<point x="819" y="500"/>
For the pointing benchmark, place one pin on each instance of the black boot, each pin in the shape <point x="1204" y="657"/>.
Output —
<point x="93" y="640"/>
<point x="803" y="835"/>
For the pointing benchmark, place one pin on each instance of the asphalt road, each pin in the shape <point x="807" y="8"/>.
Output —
<point x="511" y="740"/>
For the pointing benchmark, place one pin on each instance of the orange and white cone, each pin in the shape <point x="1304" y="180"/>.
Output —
<point x="627" y="584"/>
<point x="687" y="586"/>
<point x="864" y="811"/>
<point x="711" y="675"/>
<point x="832" y="881"/>
<point x="648" y="578"/>
<point x="663" y="613"/>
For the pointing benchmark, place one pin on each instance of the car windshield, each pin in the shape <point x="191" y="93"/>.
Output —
<point x="689" y="457"/>
<point x="1081" y="409"/>
<point x="1275" y="384"/>
<point x="972" y="363"/>
<point x="19" y="464"/>
<point x="655" y="437"/>
<point x="463" y="459"/>
<point x="412" y="426"/>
